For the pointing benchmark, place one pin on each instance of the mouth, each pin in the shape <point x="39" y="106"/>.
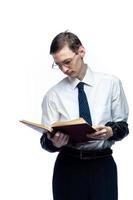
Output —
<point x="69" y="73"/>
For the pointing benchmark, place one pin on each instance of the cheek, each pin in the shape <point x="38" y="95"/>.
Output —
<point x="77" y="67"/>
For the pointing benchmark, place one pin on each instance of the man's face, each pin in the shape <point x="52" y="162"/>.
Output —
<point x="69" y="63"/>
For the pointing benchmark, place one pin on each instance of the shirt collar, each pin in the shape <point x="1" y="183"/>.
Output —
<point x="88" y="79"/>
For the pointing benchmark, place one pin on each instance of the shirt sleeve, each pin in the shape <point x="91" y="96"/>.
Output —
<point x="120" y="112"/>
<point x="119" y="108"/>
<point x="50" y="112"/>
<point x="50" y="115"/>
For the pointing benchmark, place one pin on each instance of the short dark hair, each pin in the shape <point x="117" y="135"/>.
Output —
<point x="65" y="38"/>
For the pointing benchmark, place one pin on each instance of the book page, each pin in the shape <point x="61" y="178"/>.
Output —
<point x="69" y="122"/>
<point x="38" y="127"/>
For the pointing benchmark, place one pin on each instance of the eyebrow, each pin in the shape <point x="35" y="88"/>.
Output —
<point x="67" y="59"/>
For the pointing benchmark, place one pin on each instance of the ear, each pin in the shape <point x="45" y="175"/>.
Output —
<point x="81" y="51"/>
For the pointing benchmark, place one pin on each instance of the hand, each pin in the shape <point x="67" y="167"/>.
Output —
<point x="102" y="132"/>
<point x="59" y="139"/>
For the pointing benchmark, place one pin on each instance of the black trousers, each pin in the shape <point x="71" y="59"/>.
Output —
<point x="76" y="179"/>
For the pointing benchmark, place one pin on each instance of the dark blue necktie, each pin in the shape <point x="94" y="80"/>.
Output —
<point x="84" y="110"/>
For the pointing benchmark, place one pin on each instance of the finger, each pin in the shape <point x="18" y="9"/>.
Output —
<point x="60" y="140"/>
<point x="105" y="133"/>
<point x="99" y="127"/>
<point x="97" y="136"/>
<point x="48" y="136"/>
<point x="101" y="132"/>
<point x="98" y="133"/>
<point x="63" y="139"/>
<point x="61" y="136"/>
<point x="55" y="137"/>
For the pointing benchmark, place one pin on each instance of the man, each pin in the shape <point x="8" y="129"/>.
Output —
<point x="84" y="171"/>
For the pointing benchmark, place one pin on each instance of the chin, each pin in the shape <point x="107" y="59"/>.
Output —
<point x="73" y="75"/>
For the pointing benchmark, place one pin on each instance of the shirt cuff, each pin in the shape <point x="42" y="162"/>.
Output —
<point x="47" y="144"/>
<point x="120" y="130"/>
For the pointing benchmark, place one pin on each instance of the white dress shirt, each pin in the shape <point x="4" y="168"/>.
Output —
<point x="106" y="98"/>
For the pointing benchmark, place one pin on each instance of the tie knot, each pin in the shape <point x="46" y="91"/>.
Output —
<point x="80" y="86"/>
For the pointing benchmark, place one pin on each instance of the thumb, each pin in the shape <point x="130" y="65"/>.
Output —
<point x="48" y="135"/>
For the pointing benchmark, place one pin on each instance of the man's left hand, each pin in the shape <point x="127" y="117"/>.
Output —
<point x="102" y="133"/>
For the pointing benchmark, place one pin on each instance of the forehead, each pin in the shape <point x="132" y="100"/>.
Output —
<point x="64" y="53"/>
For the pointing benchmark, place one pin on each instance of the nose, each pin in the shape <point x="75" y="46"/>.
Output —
<point x="64" y="69"/>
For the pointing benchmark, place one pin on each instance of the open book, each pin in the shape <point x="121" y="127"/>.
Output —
<point x="77" y="129"/>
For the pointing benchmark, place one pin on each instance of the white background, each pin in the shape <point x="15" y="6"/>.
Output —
<point x="26" y="31"/>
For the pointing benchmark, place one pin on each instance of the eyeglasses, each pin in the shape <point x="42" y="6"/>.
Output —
<point x="66" y="63"/>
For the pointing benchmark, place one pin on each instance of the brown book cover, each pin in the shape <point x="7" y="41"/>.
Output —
<point x="77" y="129"/>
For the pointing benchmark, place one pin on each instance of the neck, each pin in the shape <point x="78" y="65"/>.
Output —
<point x="82" y="72"/>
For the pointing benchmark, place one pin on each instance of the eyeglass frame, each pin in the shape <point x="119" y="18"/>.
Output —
<point x="64" y="64"/>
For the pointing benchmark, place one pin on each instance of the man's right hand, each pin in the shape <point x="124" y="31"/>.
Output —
<point x="59" y="139"/>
